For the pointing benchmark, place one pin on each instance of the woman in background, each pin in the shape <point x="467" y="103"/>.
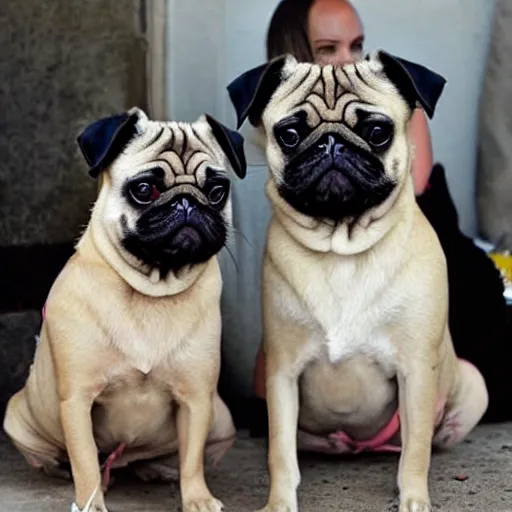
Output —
<point x="331" y="32"/>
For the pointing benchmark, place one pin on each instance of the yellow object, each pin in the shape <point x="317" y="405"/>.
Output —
<point x="503" y="262"/>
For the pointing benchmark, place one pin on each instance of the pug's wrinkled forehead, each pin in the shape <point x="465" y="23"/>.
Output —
<point x="180" y="153"/>
<point x="381" y="83"/>
<point x="330" y="99"/>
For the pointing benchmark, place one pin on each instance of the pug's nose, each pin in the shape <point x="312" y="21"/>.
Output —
<point x="331" y="147"/>
<point x="184" y="205"/>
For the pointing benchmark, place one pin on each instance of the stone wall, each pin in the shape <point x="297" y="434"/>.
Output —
<point x="64" y="62"/>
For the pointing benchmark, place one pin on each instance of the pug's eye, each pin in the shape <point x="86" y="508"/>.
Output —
<point x="289" y="137"/>
<point x="380" y="135"/>
<point x="217" y="194"/>
<point x="143" y="192"/>
<point x="377" y="130"/>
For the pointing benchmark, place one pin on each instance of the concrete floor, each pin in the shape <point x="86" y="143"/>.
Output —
<point x="361" y="484"/>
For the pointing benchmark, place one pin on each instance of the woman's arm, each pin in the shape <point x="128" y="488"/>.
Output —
<point x="422" y="162"/>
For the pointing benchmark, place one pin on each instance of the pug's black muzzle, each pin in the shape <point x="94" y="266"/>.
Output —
<point x="179" y="232"/>
<point x="335" y="180"/>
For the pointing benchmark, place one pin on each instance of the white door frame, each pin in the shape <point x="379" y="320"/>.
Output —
<point x="156" y="36"/>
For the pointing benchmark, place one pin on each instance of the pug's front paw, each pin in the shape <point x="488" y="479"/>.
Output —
<point x="206" y="504"/>
<point x="88" y="508"/>
<point x="415" y="504"/>
<point x="94" y="504"/>
<point x="280" y="506"/>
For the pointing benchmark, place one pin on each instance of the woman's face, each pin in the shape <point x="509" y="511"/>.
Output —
<point x="335" y="32"/>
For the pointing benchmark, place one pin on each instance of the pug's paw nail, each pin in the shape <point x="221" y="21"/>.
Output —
<point x="203" y="505"/>
<point x="415" y="505"/>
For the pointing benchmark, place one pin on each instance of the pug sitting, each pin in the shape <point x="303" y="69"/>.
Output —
<point x="129" y="353"/>
<point x="358" y="350"/>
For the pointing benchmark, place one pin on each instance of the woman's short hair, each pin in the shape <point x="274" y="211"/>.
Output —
<point x="288" y="31"/>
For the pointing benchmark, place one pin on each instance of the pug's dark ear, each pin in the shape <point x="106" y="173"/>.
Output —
<point x="415" y="82"/>
<point x="103" y="140"/>
<point x="252" y="90"/>
<point x="232" y="143"/>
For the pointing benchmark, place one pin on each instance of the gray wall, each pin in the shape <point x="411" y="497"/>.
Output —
<point x="211" y="43"/>
<point x="63" y="64"/>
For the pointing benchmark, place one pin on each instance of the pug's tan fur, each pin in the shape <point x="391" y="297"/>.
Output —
<point x="126" y="355"/>
<point x="355" y="313"/>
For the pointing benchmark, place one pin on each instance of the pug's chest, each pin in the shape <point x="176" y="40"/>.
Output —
<point x="145" y="342"/>
<point x="354" y="320"/>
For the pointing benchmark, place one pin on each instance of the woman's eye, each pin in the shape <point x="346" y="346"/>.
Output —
<point x="326" y="50"/>
<point x="357" y="47"/>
